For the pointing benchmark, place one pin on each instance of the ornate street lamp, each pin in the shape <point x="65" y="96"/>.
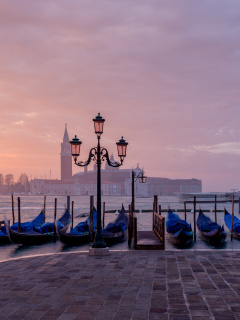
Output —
<point x="142" y="179"/>
<point x="98" y="154"/>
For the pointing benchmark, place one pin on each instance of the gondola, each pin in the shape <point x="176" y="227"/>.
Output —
<point x="4" y="238"/>
<point x="115" y="231"/>
<point x="236" y="224"/>
<point x="80" y="234"/>
<point x="25" y="226"/>
<point x="179" y="230"/>
<point x="39" y="233"/>
<point x="210" y="230"/>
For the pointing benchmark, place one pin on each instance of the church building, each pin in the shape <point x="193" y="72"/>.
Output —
<point x="114" y="181"/>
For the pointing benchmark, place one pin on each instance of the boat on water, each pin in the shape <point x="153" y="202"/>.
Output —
<point x="38" y="233"/>
<point x="4" y="238"/>
<point x="25" y="227"/>
<point x="236" y="224"/>
<point x="179" y="230"/>
<point x="210" y="230"/>
<point x="221" y="196"/>
<point x="115" y="231"/>
<point x="81" y="233"/>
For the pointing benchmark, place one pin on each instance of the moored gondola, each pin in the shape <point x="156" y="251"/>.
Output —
<point x="210" y="230"/>
<point x="115" y="231"/>
<point x="25" y="226"/>
<point x="4" y="238"/>
<point x="81" y="233"/>
<point x="37" y="234"/>
<point x="235" y="229"/>
<point x="179" y="230"/>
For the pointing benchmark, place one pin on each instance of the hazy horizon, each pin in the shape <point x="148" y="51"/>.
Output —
<point x="163" y="74"/>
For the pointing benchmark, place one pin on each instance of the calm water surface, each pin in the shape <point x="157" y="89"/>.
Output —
<point x="32" y="205"/>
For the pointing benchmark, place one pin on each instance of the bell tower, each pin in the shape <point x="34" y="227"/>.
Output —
<point x="66" y="157"/>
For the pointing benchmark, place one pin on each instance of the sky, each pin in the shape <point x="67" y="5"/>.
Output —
<point x="165" y="75"/>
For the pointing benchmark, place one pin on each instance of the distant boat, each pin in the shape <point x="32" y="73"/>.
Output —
<point x="236" y="224"/>
<point x="210" y="230"/>
<point x="179" y="230"/>
<point x="223" y="196"/>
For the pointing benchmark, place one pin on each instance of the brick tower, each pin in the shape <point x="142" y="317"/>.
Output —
<point x="66" y="157"/>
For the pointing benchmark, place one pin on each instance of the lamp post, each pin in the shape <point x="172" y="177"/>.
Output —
<point x="98" y="154"/>
<point x="142" y="179"/>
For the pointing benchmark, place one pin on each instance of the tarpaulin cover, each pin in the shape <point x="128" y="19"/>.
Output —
<point x="205" y="224"/>
<point x="120" y="224"/>
<point x="49" y="227"/>
<point x="28" y="226"/>
<point x="236" y="222"/>
<point x="174" y="223"/>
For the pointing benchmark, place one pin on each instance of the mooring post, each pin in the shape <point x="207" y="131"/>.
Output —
<point x="19" y="215"/>
<point x="194" y="217"/>
<point x="185" y="211"/>
<point x="103" y="214"/>
<point x="156" y="203"/>
<point x="160" y="210"/>
<point x="129" y="226"/>
<point x="13" y="216"/>
<point x="232" y="217"/>
<point x="91" y="216"/>
<point x="239" y="204"/>
<point x="215" y="207"/>
<point x="72" y="213"/>
<point x="44" y="208"/>
<point x="68" y="203"/>
<point x="55" y="215"/>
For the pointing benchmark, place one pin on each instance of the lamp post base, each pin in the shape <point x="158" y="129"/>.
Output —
<point x="99" y="252"/>
<point x="99" y="241"/>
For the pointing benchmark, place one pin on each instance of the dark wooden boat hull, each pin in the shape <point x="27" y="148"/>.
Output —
<point x="216" y="235"/>
<point x="74" y="240"/>
<point x="4" y="240"/>
<point x="182" y="237"/>
<point x="30" y="238"/>
<point x="118" y="237"/>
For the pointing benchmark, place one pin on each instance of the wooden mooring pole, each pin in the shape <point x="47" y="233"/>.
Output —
<point x="215" y="207"/>
<point x="194" y="217"/>
<point x="68" y="203"/>
<point x="185" y="211"/>
<point x="13" y="215"/>
<point x="44" y="209"/>
<point x="103" y="214"/>
<point x="91" y="216"/>
<point x="72" y="213"/>
<point x="55" y="215"/>
<point x="19" y="215"/>
<point x="232" y="217"/>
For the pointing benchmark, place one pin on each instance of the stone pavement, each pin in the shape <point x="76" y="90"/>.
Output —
<point x="137" y="285"/>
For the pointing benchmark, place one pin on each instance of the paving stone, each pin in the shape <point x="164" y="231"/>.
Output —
<point x="137" y="285"/>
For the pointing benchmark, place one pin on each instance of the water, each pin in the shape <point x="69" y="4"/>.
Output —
<point x="32" y="205"/>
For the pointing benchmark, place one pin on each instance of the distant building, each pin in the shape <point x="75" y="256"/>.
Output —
<point x="115" y="181"/>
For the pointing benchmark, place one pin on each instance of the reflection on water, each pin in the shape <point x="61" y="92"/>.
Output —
<point x="32" y="205"/>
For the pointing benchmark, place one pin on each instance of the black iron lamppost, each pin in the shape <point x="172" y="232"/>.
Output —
<point x="142" y="179"/>
<point x="98" y="154"/>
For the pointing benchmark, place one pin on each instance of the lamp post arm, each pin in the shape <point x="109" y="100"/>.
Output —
<point x="92" y="156"/>
<point x="138" y="176"/>
<point x="104" y="154"/>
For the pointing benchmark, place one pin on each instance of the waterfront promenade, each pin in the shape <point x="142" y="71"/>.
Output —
<point x="138" y="285"/>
